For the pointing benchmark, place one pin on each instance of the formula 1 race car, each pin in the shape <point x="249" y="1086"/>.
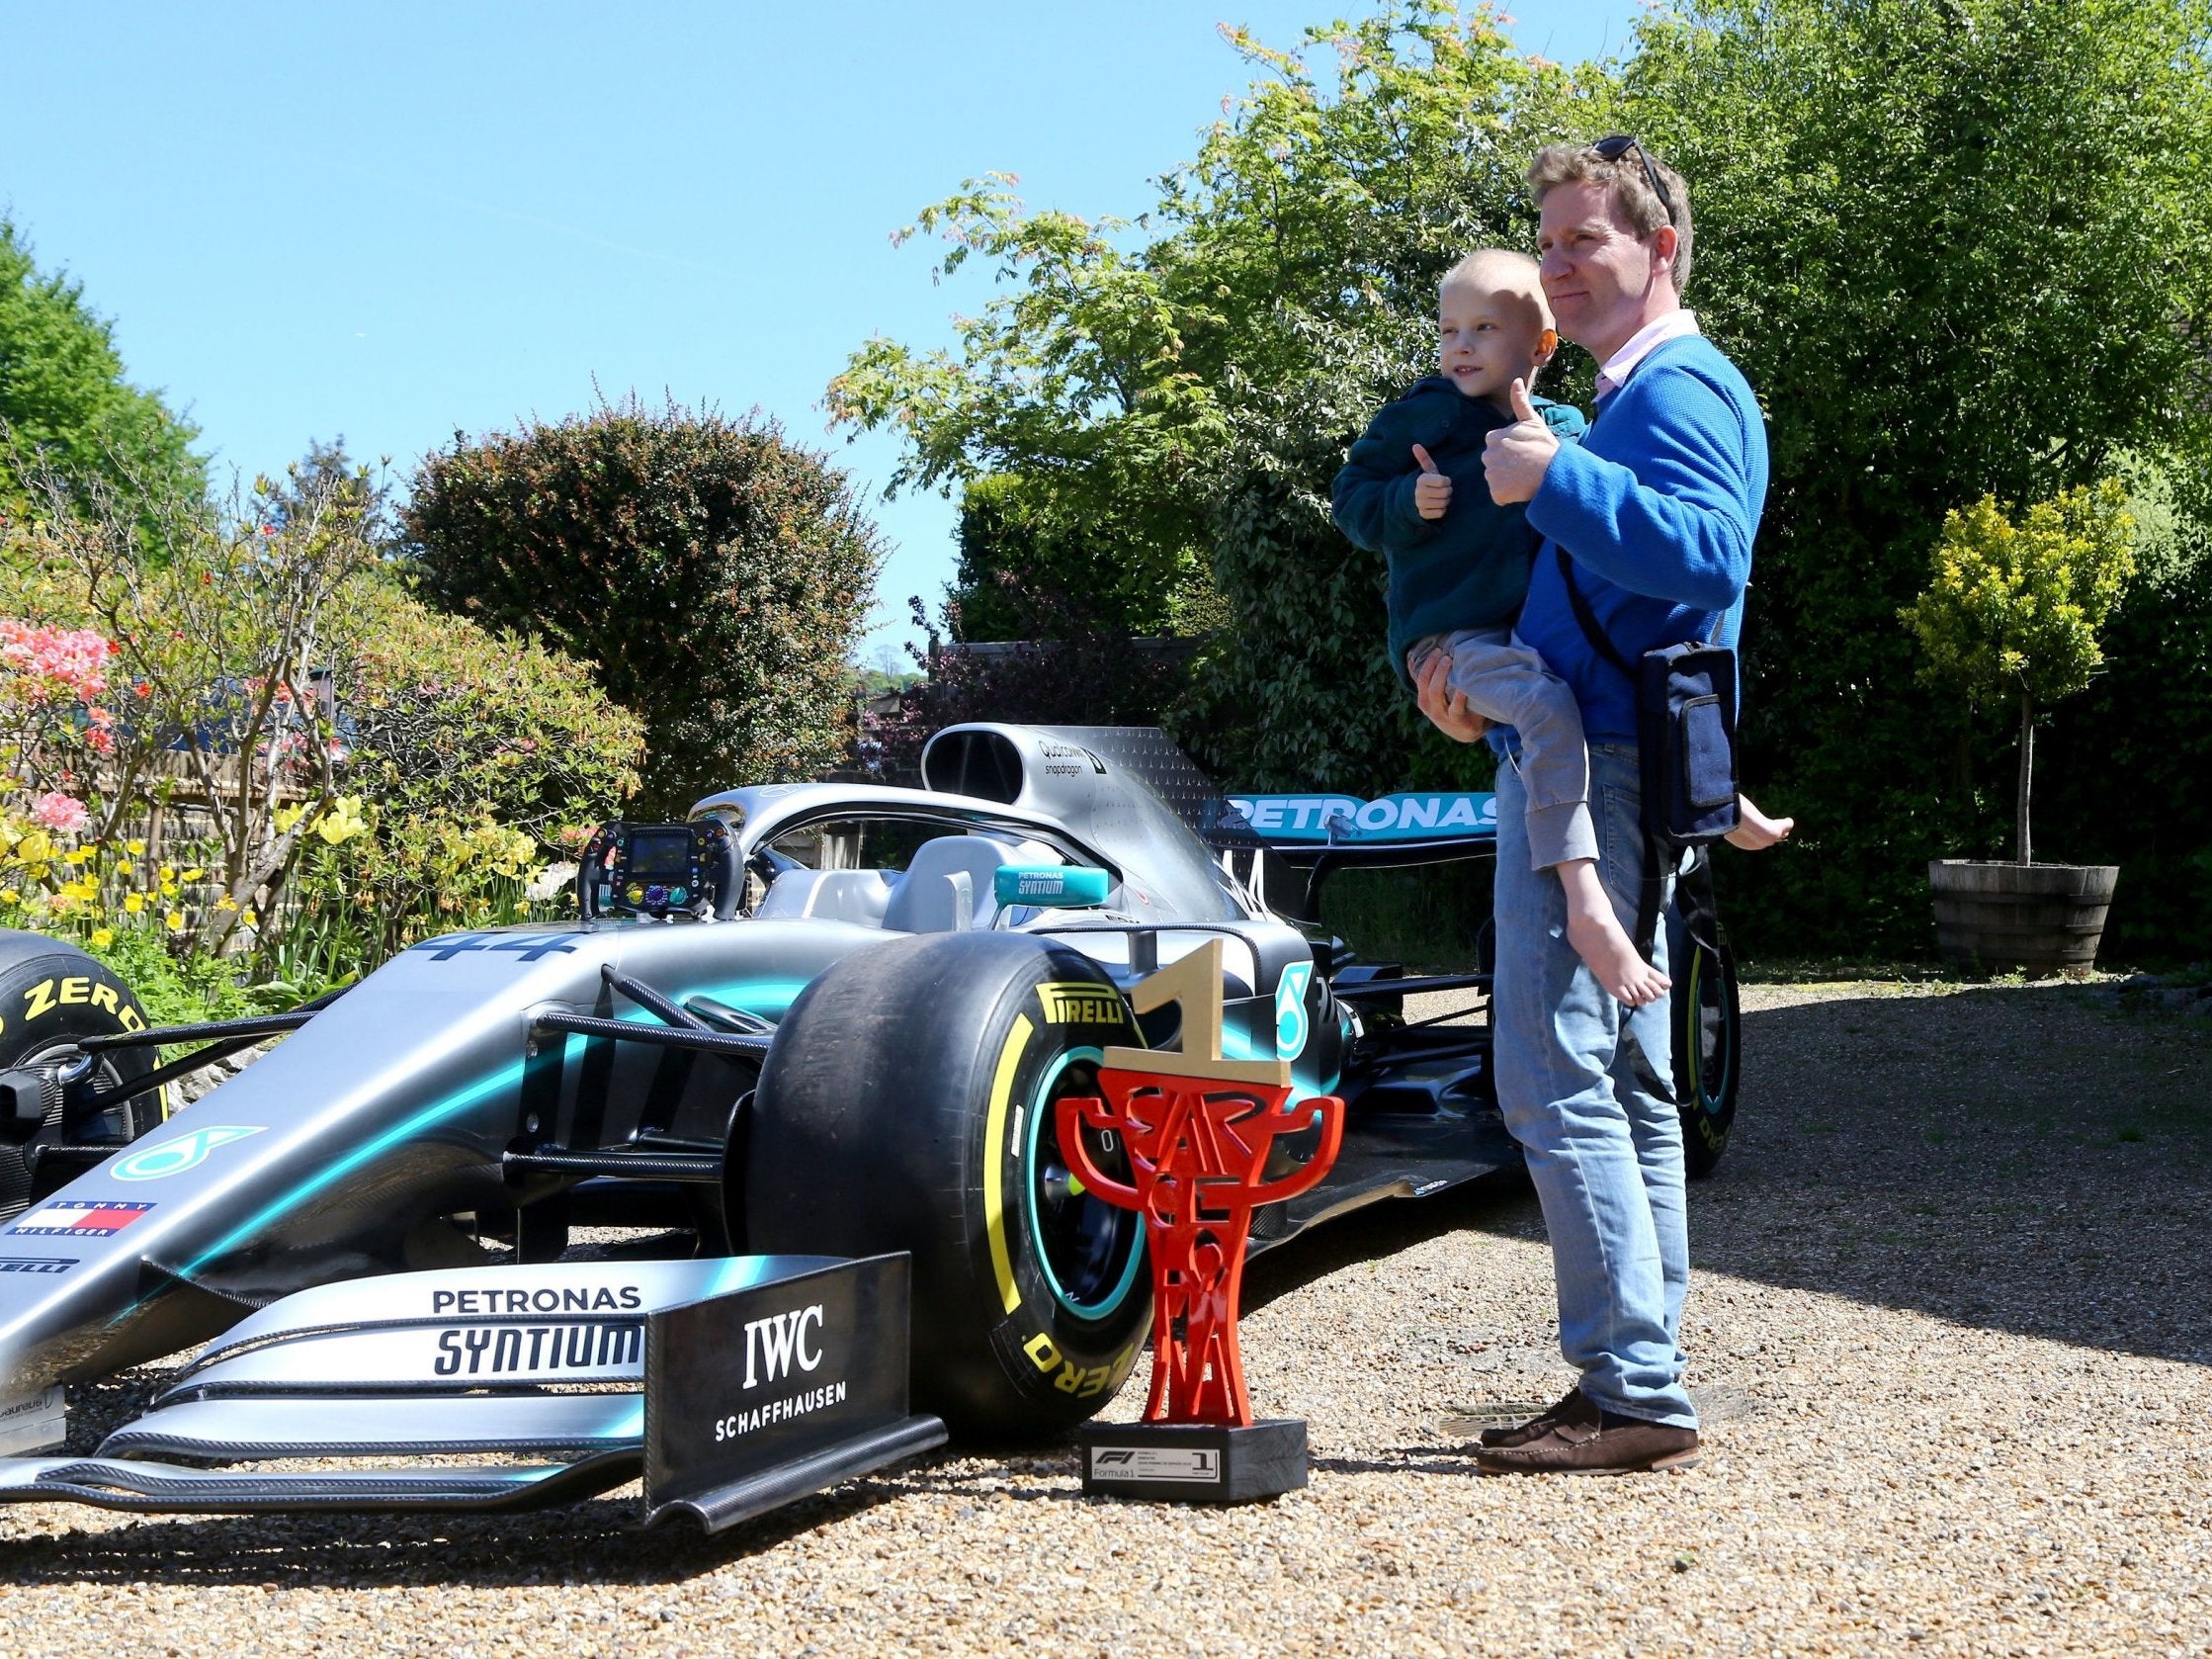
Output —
<point x="814" y="1026"/>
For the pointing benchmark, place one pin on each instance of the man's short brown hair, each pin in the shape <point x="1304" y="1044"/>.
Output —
<point x="1634" y="199"/>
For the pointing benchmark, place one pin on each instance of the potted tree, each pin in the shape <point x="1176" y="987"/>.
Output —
<point x="2011" y="615"/>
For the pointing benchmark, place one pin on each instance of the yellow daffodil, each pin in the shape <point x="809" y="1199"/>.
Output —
<point x="12" y="896"/>
<point x="103" y="938"/>
<point x="168" y="872"/>
<point x="227" y="902"/>
<point x="283" y="817"/>
<point x="174" y="922"/>
<point x="137" y="849"/>
<point x="36" y="847"/>
<point x="193" y="874"/>
<point x="251" y="920"/>
<point x="123" y="866"/>
<point x="134" y="901"/>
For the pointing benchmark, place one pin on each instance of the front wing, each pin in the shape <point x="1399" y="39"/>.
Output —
<point x="732" y="1386"/>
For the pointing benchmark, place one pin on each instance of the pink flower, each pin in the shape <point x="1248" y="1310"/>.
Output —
<point x="56" y="811"/>
<point x="63" y="663"/>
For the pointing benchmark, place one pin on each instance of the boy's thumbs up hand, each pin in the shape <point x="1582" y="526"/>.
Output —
<point x="1515" y="458"/>
<point x="1432" y="490"/>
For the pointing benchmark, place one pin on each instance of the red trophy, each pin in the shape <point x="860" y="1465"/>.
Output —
<point x="1198" y="1130"/>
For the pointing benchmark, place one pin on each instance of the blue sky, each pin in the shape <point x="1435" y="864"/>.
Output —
<point x="399" y="222"/>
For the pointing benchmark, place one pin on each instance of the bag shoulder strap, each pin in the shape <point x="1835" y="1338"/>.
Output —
<point x="1600" y="640"/>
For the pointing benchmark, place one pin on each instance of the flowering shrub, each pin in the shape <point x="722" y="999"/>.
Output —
<point x="308" y="770"/>
<point x="50" y="729"/>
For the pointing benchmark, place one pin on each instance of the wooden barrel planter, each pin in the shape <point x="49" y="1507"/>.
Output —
<point x="2043" y="918"/>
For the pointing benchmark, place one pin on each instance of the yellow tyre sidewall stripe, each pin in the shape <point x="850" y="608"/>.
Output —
<point x="994" y="1143"/>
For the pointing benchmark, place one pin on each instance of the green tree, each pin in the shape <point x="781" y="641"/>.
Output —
<point x="2012" y="610"/>
<point x="716" y="574"/>
<point x="62" y="391"/>
<point x="1195" y="375"/>
<point x="1961" y="247"/>
<point x="1026" y="573"/>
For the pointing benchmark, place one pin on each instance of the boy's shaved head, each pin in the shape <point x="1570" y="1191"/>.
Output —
<point x="1492" y="324"/>
<point x="1501" y="271"/>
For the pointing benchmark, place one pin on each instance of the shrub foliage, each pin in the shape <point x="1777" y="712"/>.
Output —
<point x="716" y="574"/>
<point x="1962" y="249"/>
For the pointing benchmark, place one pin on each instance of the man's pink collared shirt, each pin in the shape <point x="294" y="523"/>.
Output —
<point x="1641" y="345"/>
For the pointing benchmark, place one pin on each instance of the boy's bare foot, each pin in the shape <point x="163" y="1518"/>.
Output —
<point x="1602" y="942"/>
<point x="1754" y="830"/>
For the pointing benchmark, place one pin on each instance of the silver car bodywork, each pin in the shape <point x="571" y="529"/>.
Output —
<point x="436" y="1089"/>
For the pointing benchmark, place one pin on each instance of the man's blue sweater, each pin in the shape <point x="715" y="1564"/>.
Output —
<point x="1657" y="508"/>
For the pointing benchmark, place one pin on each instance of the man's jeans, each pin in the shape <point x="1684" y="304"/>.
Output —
<point x="1606" y="1155"/>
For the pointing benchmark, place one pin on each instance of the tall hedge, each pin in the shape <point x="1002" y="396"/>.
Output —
<point x="715" y="572"/>
<point x="1959" y="247"/>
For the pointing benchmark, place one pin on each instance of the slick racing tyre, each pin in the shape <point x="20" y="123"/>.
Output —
<point x="1707" y="1043"/>
<point x="50" y="995"/>
<point x="908" y="1104"/>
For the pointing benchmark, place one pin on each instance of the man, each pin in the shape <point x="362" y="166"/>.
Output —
<point x="1655" y="510"/>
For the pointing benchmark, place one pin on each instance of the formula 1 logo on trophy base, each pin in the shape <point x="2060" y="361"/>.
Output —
<point x="1198" y="1130"/>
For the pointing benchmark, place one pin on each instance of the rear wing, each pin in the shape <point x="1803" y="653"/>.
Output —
<point x="1315" y="835"/>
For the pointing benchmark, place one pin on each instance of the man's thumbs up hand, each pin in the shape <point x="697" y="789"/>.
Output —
<point x="1515" y="458"/>
<point x="1432" y="490"/>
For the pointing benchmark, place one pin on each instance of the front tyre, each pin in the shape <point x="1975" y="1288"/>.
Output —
<point x="52" y="995"/>
<point x="908" y="1104"/>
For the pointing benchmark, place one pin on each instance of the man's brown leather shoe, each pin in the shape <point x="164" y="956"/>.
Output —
<point x="1572" y="1408"/>
<point x="1599" y="1443"/>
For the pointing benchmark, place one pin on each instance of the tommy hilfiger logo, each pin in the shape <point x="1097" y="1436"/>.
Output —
<point x="81" y="1218"/>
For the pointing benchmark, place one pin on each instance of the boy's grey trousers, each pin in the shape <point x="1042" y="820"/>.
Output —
<point x="1504" y="681"/>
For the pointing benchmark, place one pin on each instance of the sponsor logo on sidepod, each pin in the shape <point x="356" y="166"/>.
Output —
<point x="180" y="1153"/>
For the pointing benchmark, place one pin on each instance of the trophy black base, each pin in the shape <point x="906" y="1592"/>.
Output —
<point x="1193" y="1462"/>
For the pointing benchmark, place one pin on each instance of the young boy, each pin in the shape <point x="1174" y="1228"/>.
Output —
<point x="1414" y="490"/>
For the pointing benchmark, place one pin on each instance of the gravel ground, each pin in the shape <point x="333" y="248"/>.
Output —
<point x="1948" y="1325"/>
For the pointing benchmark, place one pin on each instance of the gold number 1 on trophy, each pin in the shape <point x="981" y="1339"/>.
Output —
<point x="1194" y="985"/>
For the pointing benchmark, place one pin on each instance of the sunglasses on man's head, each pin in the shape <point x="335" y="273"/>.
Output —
<point x="1618" y="145"/>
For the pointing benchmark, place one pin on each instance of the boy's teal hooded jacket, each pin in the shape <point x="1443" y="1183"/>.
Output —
<point x="1468" y="568"/>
